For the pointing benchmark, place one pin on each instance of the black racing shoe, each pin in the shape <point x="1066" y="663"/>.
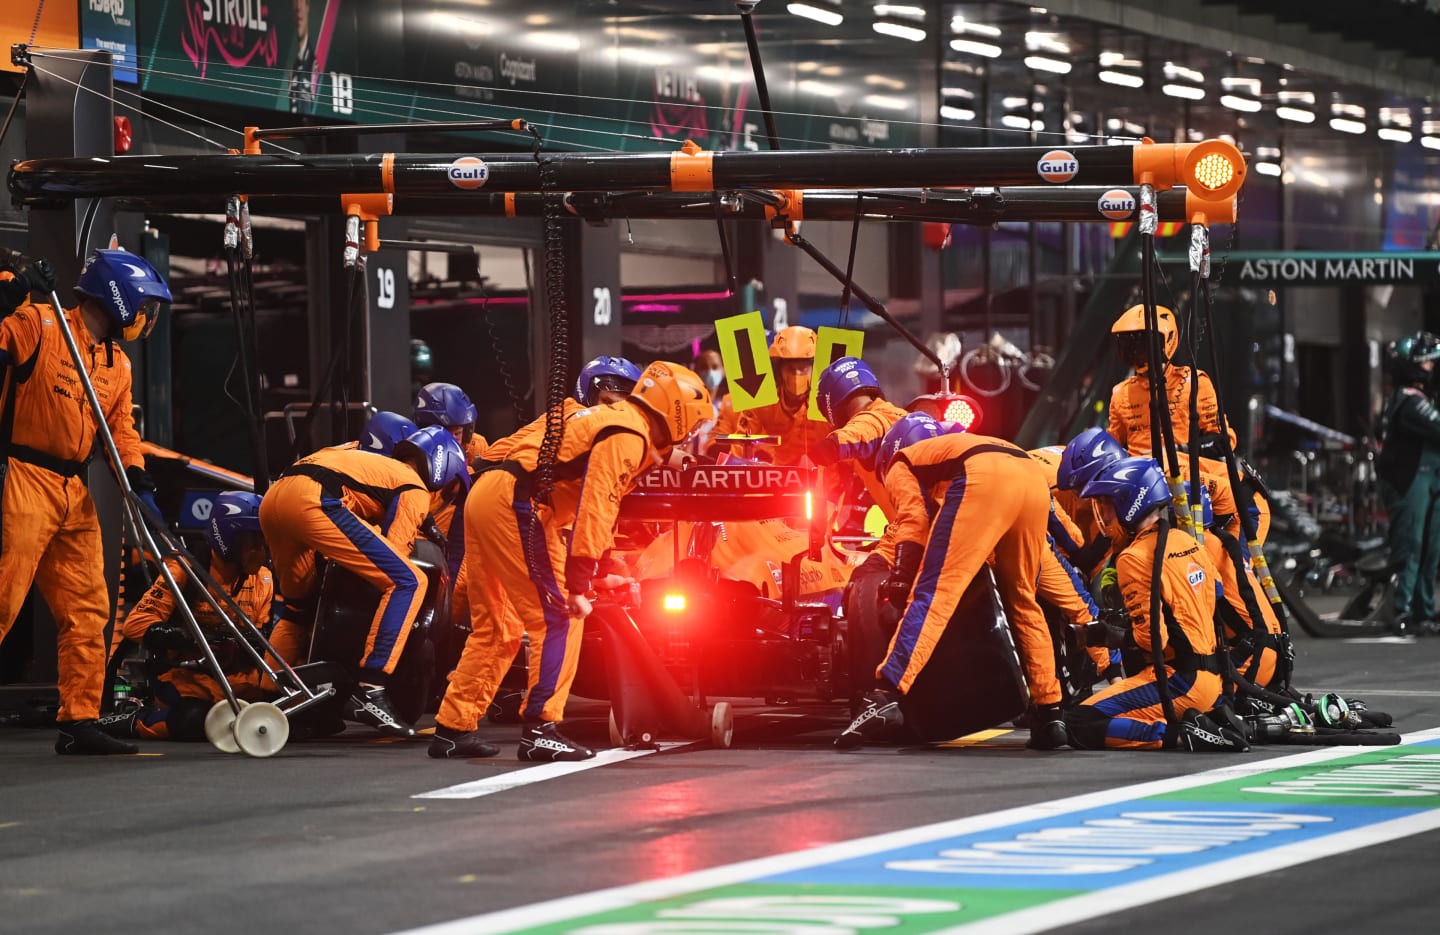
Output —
<point x="545" y="744"/>
<point x="880" y="715"/>
<point x="1047" y="728"/>
<point x="87" y="738"/>
<point x="1199" y="734"/>
<point x="119" y="725"/>
<point x="369" y="704"/>
<point x="450" y="744"/>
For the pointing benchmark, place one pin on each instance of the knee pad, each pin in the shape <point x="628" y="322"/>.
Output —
<point x="1086" y="726"/>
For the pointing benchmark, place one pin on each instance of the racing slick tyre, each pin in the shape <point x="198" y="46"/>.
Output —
<point x="220" y="726"/>
<point x="409" y="685"/>
<point x="261" y="730"/>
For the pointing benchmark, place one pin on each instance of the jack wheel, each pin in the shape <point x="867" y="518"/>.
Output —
<point x="261" y="730"/>
<point x="220" y="726"/>
<point x="722" y="725"/>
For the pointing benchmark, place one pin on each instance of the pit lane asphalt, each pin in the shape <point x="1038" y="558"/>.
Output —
<point x="326" y="837"/>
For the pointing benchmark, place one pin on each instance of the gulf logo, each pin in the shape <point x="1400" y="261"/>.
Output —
<point x="1195" y="575"/>
<point x="1117" y="204"/>
<point x="1058" y="166"/>
<point x="468" y="172"/>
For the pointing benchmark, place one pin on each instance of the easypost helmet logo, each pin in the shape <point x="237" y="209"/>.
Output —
<point x="1058" y="166"/>
<point x="1135" y="506"/>
<point x="119" y="301"/>
<point x="468" y="173"/>
<point x="1117" y="204"/>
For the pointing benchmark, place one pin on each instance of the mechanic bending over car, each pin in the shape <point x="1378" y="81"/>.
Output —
<point x="1130" y="496"/>
<point x="184" y="693"/>
<point x="49" y="530"/>
<point x="986" y="497"/>
<point x="602" y="381"/>
<point x="529" y="575"/>
<point x="362" y="513"/>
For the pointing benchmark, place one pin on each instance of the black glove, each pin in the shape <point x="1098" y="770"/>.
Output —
<point x="1104" y="634"/>
<point x="40" y="276"/>
<point x="578" y="574"/>
<point x="874" y="564"/>
<point x="143" y="485"/>
<point x="896" y="588"/>
<point x="162" y="638"/>
<point x="431" y="530"/>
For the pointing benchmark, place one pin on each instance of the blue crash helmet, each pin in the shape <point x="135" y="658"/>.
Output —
<point x="443" y="404"/>
<point x="443" y="457"/>
<point x="841" y="380"/>
<point x="1133" y="486"/>
<point x="605" y="373"/>
<point x="913" y="427"/>
<point x="1086" y="456"/>
<point x="384" y="431"/>
<point x="233" y="513"/>
<point x="128" y="288"/>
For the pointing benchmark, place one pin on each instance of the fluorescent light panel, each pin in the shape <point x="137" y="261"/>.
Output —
<point x="818" y="10"/>
<point x="1295" y="114"/>
<point x="1124" y="79"/>
<point x="1395" y="134"/>
<point x="1247" y="104"/>
<point x="899" y="29"/>
<point x="975" y="48"/>
<point x="1188" y="92"/>
<point x="1346" y="125"/>
<point x="1267" y="168"/>
<point x="1041" y="63"/>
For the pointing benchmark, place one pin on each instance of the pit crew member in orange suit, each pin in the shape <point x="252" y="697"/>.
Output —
<point x="1254" y="650"/>
<point x="540" y="582"/>
<point x="850" y="398"/>
<point x="362" y="513"/>
<point x="447" y="405"/>
<point x="51" y="533"/>
<point x="1130" y="496"/>
<point x="184" y="695"/>
<point x="1130" y="400"/>
<point x="792" y="356"/>
<point x="972" y="496"/>
<point x="602" y="381"/>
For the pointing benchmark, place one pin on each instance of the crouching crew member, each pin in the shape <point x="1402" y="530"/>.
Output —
<point x="185" y="694"/>
<point x="526" y="573"/>
<point x="51" y="534"/>
<point x="1129" y="497"/>
<point x="362" y="513"/>
<point x="976" y="497"/>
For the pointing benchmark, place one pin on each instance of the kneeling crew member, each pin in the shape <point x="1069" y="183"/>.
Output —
<point x="184" y="695"/>
<point x="1129" y="497"/>
<point x="362" y="513"/>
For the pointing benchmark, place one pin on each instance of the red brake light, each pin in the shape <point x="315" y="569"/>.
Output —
<point x="674" y="603"/>
<point x="964" y="410"/>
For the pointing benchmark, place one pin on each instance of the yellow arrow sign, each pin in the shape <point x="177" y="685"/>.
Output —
<point x="747" y="361"/>
<point x="831" y="344"/>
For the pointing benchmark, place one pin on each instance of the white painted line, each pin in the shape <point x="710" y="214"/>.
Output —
<point x="1393" y="640"/>
<point x="1117" y="899"/>
<point x="531" y="775"/>
<point x="620" y="897"/>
